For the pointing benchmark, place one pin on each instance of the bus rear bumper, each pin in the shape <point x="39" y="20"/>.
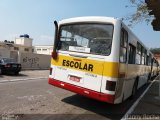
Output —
<point x="83" y="91"/>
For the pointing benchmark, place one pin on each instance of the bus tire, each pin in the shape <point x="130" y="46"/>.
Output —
<point x="134" y="89"/>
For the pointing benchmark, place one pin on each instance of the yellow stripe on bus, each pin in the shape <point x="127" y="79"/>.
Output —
<point x="109" y="69"/>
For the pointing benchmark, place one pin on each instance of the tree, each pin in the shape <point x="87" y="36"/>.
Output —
<point x="155" y="50"/>
<point x="141" y="14"/>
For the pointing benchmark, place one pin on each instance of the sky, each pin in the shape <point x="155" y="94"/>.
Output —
<point x="36" y="17"/>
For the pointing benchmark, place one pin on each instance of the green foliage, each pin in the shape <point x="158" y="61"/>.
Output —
<point x="155" y="50"/>
<point x="141" y="14"/>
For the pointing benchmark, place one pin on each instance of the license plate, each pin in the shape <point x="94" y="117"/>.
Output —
<point x="14" y="65"/>
<point x="74" y="78"/>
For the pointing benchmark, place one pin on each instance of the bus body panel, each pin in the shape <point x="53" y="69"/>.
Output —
<point x="102" y="71"/>
<point x="83" y="91"/>
<point x="88" y="74"/>
<point x="68" y="68"/>
<point x="106" y="69"/>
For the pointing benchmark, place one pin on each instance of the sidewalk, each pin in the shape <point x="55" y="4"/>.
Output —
<point x="149" y="105"/>
<point x="27" y="74"/>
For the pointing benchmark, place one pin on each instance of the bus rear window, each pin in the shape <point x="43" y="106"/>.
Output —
<point x="87" y="38"/>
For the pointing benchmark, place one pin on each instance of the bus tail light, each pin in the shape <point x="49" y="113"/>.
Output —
<point x="50" y="71"/>
<point x="54" y="55"/>
<point x="110" y="85"/>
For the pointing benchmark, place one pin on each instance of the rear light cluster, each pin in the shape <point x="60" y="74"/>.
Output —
<point x="54" y="55"/>
<point x="111" y="85"/>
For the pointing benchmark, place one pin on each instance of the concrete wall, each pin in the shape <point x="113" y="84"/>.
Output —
<point x="14" y="55"/>
<point x="29" y="61"/>
<point x="32" y="61"/>
<point x="4" y="52"/>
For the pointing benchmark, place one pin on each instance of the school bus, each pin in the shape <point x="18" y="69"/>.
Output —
<point x="100" y="58"/>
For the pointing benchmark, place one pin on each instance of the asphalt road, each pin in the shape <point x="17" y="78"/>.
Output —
<point x="37" y="100"/>
<point x="26" y="75"/>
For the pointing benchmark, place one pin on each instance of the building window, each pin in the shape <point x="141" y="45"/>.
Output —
<point x="26" y="49"/>
<point x="44" y="49"/>
<point x="38" y="49"/>
<point x="16" y="48"/>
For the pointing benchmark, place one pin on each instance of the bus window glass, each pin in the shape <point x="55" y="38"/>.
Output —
<point x="143" y="56"/>
<point x="138" y="55"/>
<point x="147" y="60"/>
<point x="90" y="38"/>
<point x="132" y="53"/>
<point x="138" y="59"/>
<point x="123" y="55"/>
<point x="150" y="60"/>
<point x="123" y="48"/>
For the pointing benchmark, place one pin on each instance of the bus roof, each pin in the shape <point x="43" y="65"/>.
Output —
<point x="89" y="19"/>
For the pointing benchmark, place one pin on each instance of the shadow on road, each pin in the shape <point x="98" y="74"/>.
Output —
<point x="95" y="110"/>
<point x="110" y="111"/>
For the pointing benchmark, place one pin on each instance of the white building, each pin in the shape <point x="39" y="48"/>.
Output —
<point x="24" y="40"/>
<point x="22" y="51"/>
<point x="43" y="49"/>
<point x="23" y="44"/>
<point x="11" y="49"/>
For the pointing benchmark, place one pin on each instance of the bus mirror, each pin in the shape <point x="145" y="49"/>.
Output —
<point x="54" y="53"/>
<point x="56" y="35"/>
<point x="59" y="45"/>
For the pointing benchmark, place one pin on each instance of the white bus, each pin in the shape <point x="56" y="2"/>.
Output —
<point x="100" y="58"/>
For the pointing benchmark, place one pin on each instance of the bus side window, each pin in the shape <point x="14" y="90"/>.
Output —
<point x="123" y="46"/>
<point x="132" y="54"/>
<point x="143" y="56"/>
<point x="139" y="54"/>
<point x="149" y="60"/>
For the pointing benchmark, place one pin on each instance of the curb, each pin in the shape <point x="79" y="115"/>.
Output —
<point x="25" y="79"/>
<point x="131" y="109"/>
